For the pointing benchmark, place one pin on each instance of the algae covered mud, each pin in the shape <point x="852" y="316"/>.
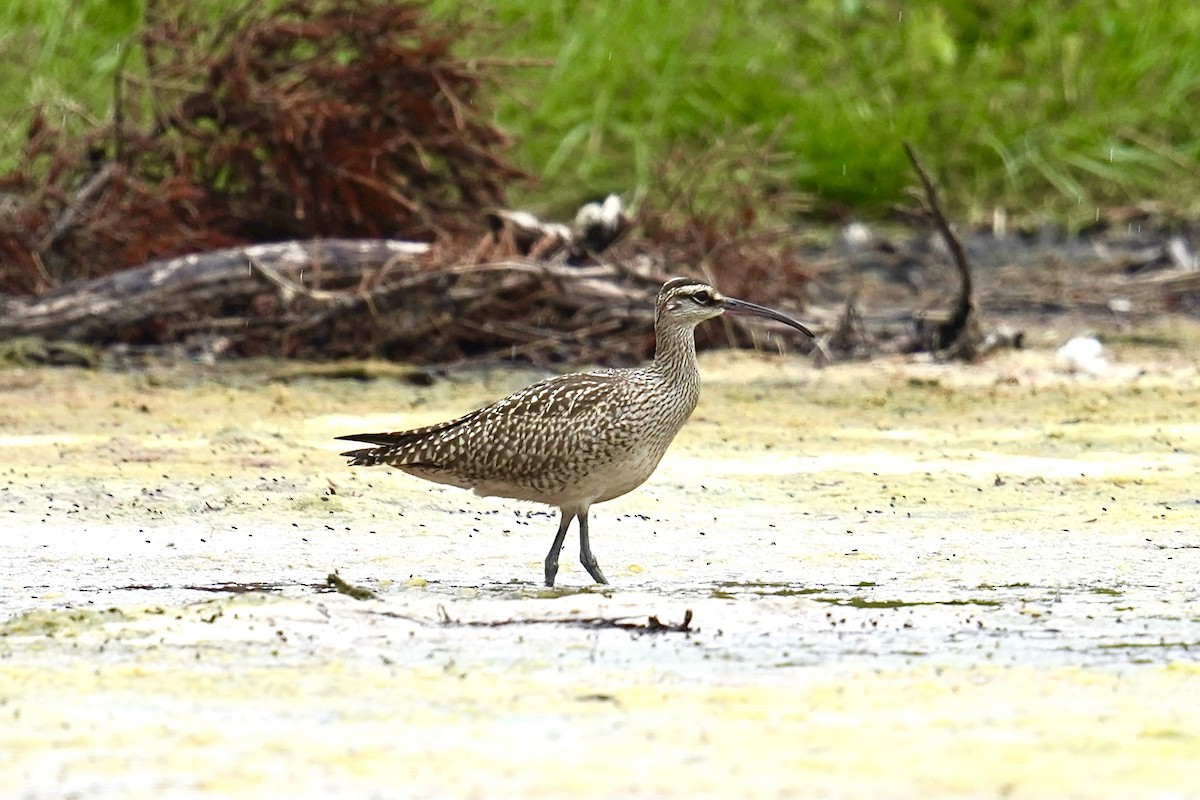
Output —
<point x="904" y="579"/>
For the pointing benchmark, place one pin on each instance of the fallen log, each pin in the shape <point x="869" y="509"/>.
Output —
<point x="93" y="310"/>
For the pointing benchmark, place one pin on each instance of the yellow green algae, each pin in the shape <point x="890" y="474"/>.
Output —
<point x="907" y="580"/>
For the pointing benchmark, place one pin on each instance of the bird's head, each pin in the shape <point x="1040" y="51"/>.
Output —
<point x="689" y="301"/>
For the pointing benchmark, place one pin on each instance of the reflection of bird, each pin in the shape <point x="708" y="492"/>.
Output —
<point x="577" y="439"/>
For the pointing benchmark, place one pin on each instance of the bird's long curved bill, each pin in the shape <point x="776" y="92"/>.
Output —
<point x="742" y="308"/>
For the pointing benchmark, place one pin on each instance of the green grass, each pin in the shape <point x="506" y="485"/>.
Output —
<point x="1044" y="107"/>
<point x="1047" y="108"/>
<point x="60" y="55"/>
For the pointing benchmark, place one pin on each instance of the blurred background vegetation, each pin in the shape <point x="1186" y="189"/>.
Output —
<point x="1048" y="110"/>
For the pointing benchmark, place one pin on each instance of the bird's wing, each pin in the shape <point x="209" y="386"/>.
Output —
<point x="561" y="398"/>
<point x="546" y="407"/>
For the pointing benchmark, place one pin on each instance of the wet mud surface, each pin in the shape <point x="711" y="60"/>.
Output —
<point x="904" y="579"/>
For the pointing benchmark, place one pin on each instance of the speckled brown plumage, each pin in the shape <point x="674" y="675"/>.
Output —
<point x="577" y="439"/>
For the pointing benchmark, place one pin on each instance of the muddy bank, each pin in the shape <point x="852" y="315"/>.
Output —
<point x="905" y="579"/>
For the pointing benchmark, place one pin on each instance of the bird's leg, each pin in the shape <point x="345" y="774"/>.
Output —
<point x="552" y="556"/>
<point x="585" y="551"/>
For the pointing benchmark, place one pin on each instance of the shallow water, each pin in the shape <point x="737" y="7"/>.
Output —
<point x="902" y="577"/>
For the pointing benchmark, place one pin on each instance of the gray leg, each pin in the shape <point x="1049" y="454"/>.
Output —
<point x="552" y="557"/>
<point x="585" y="551"/>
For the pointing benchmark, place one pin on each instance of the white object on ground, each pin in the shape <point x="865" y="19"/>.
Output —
<point x="1082" y="354"/>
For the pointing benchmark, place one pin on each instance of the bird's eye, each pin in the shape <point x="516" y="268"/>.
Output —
<point x="702" y="297"/>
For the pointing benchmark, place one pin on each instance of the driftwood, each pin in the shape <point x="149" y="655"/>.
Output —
<point x="94" y="310"/>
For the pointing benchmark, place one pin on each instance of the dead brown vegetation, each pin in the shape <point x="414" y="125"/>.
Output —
<point x="348" y="118"/>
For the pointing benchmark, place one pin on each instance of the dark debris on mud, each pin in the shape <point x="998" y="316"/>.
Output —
<point x="652" y="625"/>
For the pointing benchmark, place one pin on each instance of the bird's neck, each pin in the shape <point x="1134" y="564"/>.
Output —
<point x="675" y="353"/>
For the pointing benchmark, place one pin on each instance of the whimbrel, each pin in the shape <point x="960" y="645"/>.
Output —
<point x="573" y="440"/>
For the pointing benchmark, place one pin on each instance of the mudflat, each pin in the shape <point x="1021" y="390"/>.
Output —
<point x="904" y="579"/>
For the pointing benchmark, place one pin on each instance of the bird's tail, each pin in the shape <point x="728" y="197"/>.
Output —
<point x="398" y="446"/>
<point x="389" y="447"/>
<point x="368" y="456"/>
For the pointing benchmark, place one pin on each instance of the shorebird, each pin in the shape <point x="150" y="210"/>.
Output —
<point x="573" y="440"/>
